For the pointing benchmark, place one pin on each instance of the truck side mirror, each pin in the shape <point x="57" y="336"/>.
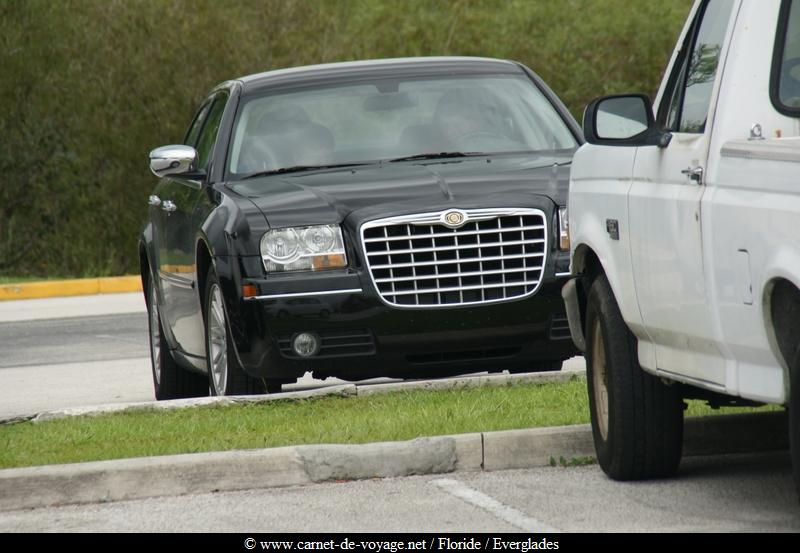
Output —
<point x="623" y="120"/>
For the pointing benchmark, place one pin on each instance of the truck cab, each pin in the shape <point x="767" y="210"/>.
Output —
<point x="684" y="217"/>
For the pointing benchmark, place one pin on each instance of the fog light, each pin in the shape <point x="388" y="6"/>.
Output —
<point x="306" y="344"/>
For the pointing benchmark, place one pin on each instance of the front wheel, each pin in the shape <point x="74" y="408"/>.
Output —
<point x="637" y="420"/>
<point x="225" y="375"/>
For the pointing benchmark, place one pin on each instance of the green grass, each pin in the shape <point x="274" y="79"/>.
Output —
<point x="396" y="416"/>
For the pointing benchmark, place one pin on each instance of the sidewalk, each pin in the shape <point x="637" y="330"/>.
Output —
<point x="173" y="475"/>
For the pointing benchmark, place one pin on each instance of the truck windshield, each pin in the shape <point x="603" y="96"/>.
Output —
<point x="350" y="122"/>
<point x="789" y="80"/>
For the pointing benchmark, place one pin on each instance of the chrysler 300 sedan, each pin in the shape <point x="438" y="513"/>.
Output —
<point x="401" y="218"/>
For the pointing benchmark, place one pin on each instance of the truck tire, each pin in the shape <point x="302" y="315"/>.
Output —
<point x="637" y="420"/>
<point x="794" y="419"/>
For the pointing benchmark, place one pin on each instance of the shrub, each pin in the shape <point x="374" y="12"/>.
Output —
<point x="90" y="86"/>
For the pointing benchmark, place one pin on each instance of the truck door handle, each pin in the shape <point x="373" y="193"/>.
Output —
<point x="169" y="206"/>
<point x="694" y="173"/>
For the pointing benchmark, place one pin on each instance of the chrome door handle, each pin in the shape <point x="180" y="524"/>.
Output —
<point x="168" y="206"/>
<point x="694" y="173"/>
<point x="154" y="200"/>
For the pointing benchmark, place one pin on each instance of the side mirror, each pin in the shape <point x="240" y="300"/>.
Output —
<point x="623" y="120"/>
<point x="176" y="159"/>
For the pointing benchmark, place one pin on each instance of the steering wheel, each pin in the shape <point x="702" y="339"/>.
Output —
<point x="257" y="156"/>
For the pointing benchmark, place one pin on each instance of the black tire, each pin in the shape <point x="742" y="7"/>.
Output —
<point x="230" y="378"/>
<point x="637" y="420"/>
<point x="170" y="380"/>
<point x="794" y="419"/>
<point x="540" y="366"/>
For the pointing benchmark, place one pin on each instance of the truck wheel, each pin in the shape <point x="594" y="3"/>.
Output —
<point x="637" y="420"/>
<point x="794" y="419"/>
<point x="170" y="380"/>
<point x="225" y="376"/>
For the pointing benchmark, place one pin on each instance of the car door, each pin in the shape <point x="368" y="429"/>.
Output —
<point x="179" y="198"/>
<point x="664" y="204"/>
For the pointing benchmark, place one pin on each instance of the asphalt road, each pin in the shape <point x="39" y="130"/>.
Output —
<point x="74" y="339"/>
<point x="70" y="352"/>
<point x="87" y="350"/>
<point x="743" y="493"/>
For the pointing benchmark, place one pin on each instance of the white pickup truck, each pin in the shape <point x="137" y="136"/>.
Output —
<point x="684" y="217"/>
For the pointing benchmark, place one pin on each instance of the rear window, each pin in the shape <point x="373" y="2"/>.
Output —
<point x="785" y="86"/>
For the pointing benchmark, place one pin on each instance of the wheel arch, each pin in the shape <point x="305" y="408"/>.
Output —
<point x="145" y="258"/>
<point x="587" y="266"/>
<point x="203" y="261"/>
<point x="781" y="304"/>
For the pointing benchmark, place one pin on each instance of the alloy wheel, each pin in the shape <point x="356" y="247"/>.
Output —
<point x="155" y="333"/>
<point x="217" y="340"/>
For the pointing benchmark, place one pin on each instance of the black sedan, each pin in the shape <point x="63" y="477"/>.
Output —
<point x="402" y="218"/>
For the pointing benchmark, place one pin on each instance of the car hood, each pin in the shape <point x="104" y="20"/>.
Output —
<point x="367" y="192"/>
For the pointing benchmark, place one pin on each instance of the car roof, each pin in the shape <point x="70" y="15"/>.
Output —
<point x="389" y="67"/>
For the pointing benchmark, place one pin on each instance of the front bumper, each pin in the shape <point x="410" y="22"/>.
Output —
<point x="363" y="338"/>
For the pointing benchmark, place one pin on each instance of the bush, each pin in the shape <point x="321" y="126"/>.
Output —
<point x="90" y="86"/>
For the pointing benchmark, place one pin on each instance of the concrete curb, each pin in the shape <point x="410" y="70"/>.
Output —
<point x="301" y="465"/>
<point x="74" y="287"/>
<point x="343" y="390"/>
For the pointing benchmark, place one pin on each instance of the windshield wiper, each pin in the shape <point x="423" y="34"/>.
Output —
<point x="440" y="155"/>
<point x="300" y="169"/>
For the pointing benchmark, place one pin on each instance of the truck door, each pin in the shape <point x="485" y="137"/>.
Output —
<point x="664" y="207"/>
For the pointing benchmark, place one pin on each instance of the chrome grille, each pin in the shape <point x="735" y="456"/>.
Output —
<point x="418" y="261"/>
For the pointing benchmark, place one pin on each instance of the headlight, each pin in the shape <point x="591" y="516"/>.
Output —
<point x="563" y="229"/>
<point x="303" y="249"/>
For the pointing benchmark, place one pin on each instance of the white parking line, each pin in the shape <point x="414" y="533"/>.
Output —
<point x="492" y="506"/>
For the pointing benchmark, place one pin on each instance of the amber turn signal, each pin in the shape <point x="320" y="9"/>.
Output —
<point x="249" y="290"/>
<point x="330" y="261"/>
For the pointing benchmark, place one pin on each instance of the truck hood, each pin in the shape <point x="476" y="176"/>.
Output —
<point x="362" y="193"/>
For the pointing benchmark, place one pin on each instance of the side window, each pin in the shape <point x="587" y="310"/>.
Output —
<point x="685" y="106"/>
<point x="208" y="136"/>
<point x="194" y="129"/>
<point x="785" y="79"/>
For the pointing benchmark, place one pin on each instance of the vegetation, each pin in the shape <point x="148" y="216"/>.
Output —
<point x="397" y="416"/>
<point x="90" y="86"/>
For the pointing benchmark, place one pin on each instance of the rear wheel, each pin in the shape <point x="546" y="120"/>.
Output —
<point x="637" y="420"/>
<point x="794" y="419"/>
<point x="225" y="375"/>
<point x="170" y="380"/>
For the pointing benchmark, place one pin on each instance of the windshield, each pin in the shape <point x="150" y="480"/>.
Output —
<point x="394" y="118"/>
